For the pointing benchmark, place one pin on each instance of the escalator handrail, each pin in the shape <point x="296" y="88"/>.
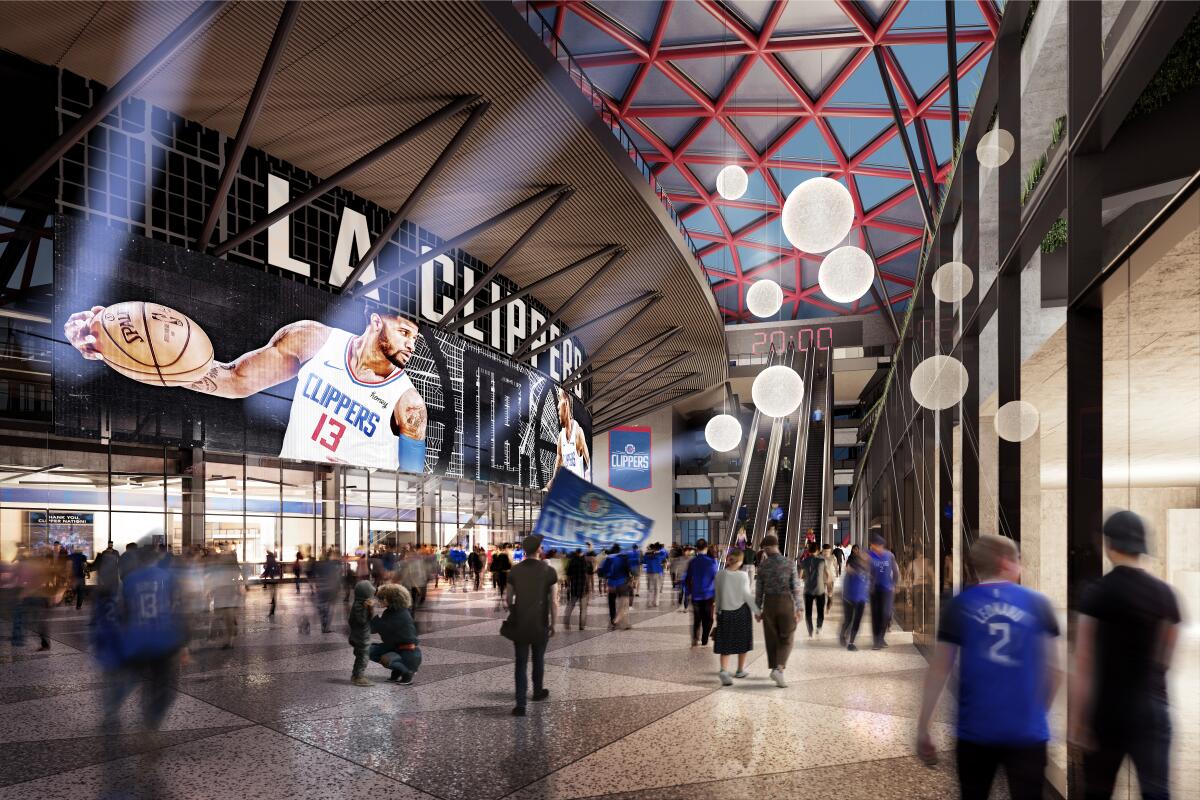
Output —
<point x="747" y="456"/>
<point x="771" y="465"/>
<point x="800" y="470"/>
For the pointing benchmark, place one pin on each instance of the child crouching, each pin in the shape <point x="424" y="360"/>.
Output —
<point x="397" y="649"/>
<point x="360" y="630"/>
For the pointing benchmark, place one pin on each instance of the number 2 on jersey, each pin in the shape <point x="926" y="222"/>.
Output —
<point x="333" y="437"/>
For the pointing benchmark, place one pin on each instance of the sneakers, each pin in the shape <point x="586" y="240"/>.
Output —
<point x="360" y="680"/>
<point x="405" y="680"/>
<point x="541" y="694"/>
<point x="777" y="676"/>
<point x="741" y="673"/>
<point x="726" y="678"/>
<point x="852" y="648"/>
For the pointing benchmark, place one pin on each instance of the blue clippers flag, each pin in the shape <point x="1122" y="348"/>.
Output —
<point x="629" y="458"/>
<point x="576" y="512"/>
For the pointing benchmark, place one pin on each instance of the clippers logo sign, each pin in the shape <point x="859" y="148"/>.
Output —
<point x="629" y="459"/>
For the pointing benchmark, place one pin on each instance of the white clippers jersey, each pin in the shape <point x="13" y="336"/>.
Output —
<point x="338" y="418"/>
<point x="572" y="459"/>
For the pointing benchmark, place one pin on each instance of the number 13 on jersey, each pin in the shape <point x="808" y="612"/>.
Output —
<point x="333" y="432"/>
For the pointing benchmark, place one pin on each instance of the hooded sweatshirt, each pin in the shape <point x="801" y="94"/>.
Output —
<point x="360" y="615"/>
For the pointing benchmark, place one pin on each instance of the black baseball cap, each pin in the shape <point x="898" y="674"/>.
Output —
<point x="1126" y="532"/>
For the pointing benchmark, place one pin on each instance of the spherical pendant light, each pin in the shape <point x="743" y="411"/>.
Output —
<point x="777" y="391"/>
<point x="938" y="382"/>
<point x="952" y="282"/>
<point x="764" y="298"/>
<point x="732" y="182"/>
<point x="995" y="147"/>
<point x="1016" y="421"/>
<point x="846" y="274"/>
<point x="723" y="432"/>
<point x="817" y="215"/>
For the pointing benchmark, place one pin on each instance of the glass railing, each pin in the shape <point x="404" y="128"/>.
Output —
<point x="600" y="102"/>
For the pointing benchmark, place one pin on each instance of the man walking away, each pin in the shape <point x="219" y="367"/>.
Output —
<point x="1000" y="633"/>
<point x="698" y="584"/>
<point x="532" y="604"/>
<point x="1128" y="627"/>
<point x="616" y="573"/>
<point x="654" y="561"/>
<point x="815" y="570"/>
<point x="830" y="576"/>
<point x="78" y="561"/>
<point x="777" y="594"/>
<point x="884" y="574"/>
<point x="475" y="562"/>
<point x="855" y="589"/>
<point x="579" y="584"/>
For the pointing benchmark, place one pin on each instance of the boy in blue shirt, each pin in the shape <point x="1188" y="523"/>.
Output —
<point x="654" y="561"/>
<point x="1001" y="633"/>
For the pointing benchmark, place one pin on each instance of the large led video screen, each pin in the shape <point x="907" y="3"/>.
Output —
<point x="162" y="344"/>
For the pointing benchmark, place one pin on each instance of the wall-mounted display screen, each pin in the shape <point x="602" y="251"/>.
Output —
<point x="166" y="345"/>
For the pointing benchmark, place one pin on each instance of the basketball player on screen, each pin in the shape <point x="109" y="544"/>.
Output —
<point x="573" y="452"/>
<point x="346" y="386"/>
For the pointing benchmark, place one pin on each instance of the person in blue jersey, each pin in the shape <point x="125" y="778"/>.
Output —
<point x="1001" y="635"/>
<point x="152" y="640"/>
<point x="654" y="561"/>
<point x="1128" y="627"/>
<point x="698" y="583"/>
<point x="884" y="575"/>
<point x="616" y="572"/>
<point x="458" y="557"/>
<point x="855" y="590"/>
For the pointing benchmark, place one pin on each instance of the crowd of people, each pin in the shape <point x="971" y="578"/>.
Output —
<point x="150" y="609"/>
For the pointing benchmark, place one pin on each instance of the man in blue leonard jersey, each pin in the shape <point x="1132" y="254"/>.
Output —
<point x="616" y="571"/>
<point x="1001" y="633"/>
<point x="152" y="638"/>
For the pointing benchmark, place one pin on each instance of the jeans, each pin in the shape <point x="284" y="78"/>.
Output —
<point x="1023" y="765"/>
<point x="1148" y="745"/>
<point x="406" y="662"/>
<point x="809" y="601"/>
<point x="779" y="628"/>
<point x="852" y="614"/>
<point x="573" y="600"/>
<point x="521" y="652"/>
<point x="155" y="678"/>
<point x="654" y="588"/>
<point x="702" y="619"/>
<point x="881" y="613"/>
<point x="616" y="608"/>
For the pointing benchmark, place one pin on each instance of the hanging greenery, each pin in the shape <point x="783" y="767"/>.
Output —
<point x="1056" y="237"/>
<point x="1179" y="72"/>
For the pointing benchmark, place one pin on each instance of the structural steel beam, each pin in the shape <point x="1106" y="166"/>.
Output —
<point x="884" y="302"/>
<point x="427" y="180"/>
<point x="139" y="74"/>
<point x="618" y="409"/>
<point x="926" y="209"/>
<point x="455" y="324"/>
<point x="458" y="241"/>
<point x="574" y="298"/>
<point x="642" y="377"/>
<point x="501" y="262"/>
<point x="952" y="74"/>
<point x="380" y="152"/>
<point x="601" y="427"/>
<point x="662" y="339"/>
<point x="233" y="159"/>
<point x="652" y="297"/>
<point x="583" y="372"/>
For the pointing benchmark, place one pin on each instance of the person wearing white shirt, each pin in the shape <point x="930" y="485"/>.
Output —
<point x="734" y="634"/>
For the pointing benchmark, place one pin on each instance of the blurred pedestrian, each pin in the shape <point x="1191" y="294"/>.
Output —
<point x="698" y="583"/>
<point x="579" y="584"/>
<point x="855" y="590"/>
<point x="999" y="632"/>
<point x="884" y="576"/>
<point x="618" y="576"/>
<point x="654" y="561"/>
<point x="777" y="595"/>
<point x="736" y="609"/>
<point x="815" y="582"/>
<point x="830" y="574"/>
<point x="532" y="604"/>
<point x="1127" y="631"/>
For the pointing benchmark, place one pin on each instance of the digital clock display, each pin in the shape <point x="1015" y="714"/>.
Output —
<point x="760" y="339"/>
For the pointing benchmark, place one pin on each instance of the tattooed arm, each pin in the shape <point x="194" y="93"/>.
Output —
<point x="277" y="361"/>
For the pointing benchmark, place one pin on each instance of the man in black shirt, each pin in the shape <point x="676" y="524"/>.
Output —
<point x="1128" y="626"/>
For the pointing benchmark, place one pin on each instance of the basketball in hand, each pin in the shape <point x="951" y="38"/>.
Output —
<point x="153" y="344"/>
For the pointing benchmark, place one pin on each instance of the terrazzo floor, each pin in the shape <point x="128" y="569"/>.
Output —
<point x="632" y="714"/>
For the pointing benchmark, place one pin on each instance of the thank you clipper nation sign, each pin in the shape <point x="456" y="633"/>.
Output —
<point x="629" y="458"/>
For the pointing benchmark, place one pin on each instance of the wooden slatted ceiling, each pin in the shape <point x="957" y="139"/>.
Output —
<point x="354" y="75"/>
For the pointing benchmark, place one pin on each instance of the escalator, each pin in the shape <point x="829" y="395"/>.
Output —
<point x="755" y="459"/>
<point x="811" y="491"/>
<point x="791" y="452"/>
